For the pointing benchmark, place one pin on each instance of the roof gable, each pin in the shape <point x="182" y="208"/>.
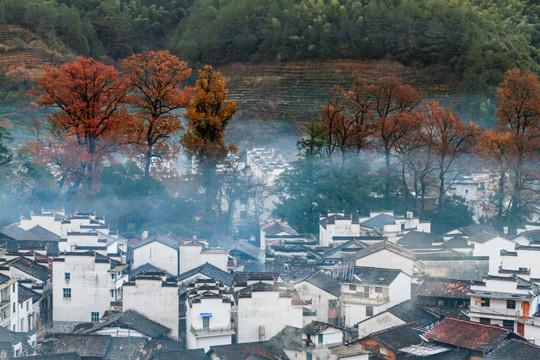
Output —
<point x="385" y="245"/>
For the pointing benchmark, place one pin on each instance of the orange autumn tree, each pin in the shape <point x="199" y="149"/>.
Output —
<point x="208" y="114"/>
<point x="449" y="138"/>
<point x="518" y="113"/>
<point x="393" y="103"/>
<point x="155" y="78"/>
<point x="91" y="121"/>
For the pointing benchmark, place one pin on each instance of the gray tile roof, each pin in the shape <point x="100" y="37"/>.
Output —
<point x="44" y="234"/>
<point x="163" y="239"/>
<point x="15" y="232"/>
<point x="31" y="268"/>
<point x="379" y="221"/>
<point x="197" y="354"/>
<point x="325" y="282"/>
<point x="269" y="350"/>
<point x="26" y="293"/>
<point x="419" y="240"/>
<point x="374" y="276"/>
<point x="84" y="345"/>
<point x="514" y="349"/>
<point x="409" y="312"/>
<point x="133" y="320"/>
<point x="210" y="271"/>
<point x="68" y="356"/>
<point x="398" y="337"/>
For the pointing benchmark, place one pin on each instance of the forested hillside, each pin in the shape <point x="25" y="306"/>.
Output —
<point x="470" y="40"/>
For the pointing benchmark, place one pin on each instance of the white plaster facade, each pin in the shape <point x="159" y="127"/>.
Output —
<point x="523" y="258"/>
<point x="361" y="300"/>
<point x="388" y="259"/>
<point x="195" y="255"/>
<point x="264" y="314"/>
<point x="154" y="298"/>
<point x="157" y="254"/>
<point x="9" y="311"/>
<point x="84" y="285"/>
<point x="336" y="224"/>
<point x="492" y="248"/>
<point x="319" y="299"/>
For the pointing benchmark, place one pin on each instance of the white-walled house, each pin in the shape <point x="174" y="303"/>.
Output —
<point x="322" y="293"/>
<point x="263" y="310"/>
<point x="399" y="314"/>
<point x="524" y="260"/>
<point x="208" y="315"/>
<point x="394" y="226"/>
<point x="491" y="245"/>
<point x="386" y="254"/>
<point x="320" y="334"/>
<point x="368" y="291"/>
<point x="503" y="300"/>
<point x="336" y="223"/>
<point x="85" y="285"/>
<point x="9" y="295"/>
<point x="159" y="251"/>
<point x="273" y="229"/>
<point x="156" y="298"/>
<point x="194" y="254"/>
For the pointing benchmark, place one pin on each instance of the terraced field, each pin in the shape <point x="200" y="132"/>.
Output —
<point x="296" y="91"/>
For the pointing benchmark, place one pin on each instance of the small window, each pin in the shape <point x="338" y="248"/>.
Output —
<point x="113" y="276"/>
<point x="484" y="302"/>
<point x="95" y="316"/>
<point x="485" y="321"/>
<point x="523" y="269"/>
<point x="352" y="287"/>
<point x="67" y="293"/>
<point x="378" y="289"/>
<point x="320" y="338"/>
<point x="27" y="306"/>
<point x="369" y="310"/>
<point x="206" y="322"/>
<point x="510" y="304"/>
<point x="508" y="324"/>
<point x="13" y="288"/>
<point x="112" y="294"/>
<point x="14" y="308"/>
<point x="67" y="276"/>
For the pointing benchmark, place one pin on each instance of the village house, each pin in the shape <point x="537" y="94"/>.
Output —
<point x="9" y="295"/>
<point x="336" y="223"/>
<point x="85" y="285"/>
<point x="208" y="315"/>
<point x="160" y="251"/>
<point x="322" y="293"/>
<point x="128" y="324"/>
<point x="273" y="231"/>
<point x="388" y="342"/>
<point x="368" y="291"/>
<point x="523" y="261"/>
<point x="195" y="253"/>
<point x="154" y="297"/>
<point x="386" y="255"/>
<point x="260" y="350"/>
<point x="444" y="297"/>
<point x="16" y="344"/>
<point x="503" y="300"/>
<point x="394" y="226"/>
<point x="478" y="339"/>
<point x="256" y="320"/>
<point x="399" y="314"/>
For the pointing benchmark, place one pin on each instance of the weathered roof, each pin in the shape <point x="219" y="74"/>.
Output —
<point x="434" y="352"/>
<point x="263" y="350"/>
<point x="479" y="232"/>
<point x="84" y="345"/>
<point x="277" y="228"/>
<point x="409" y="312"/>
<point x="349" y="248"/>
<point x="210" y="271"/>
<point x="385" y="245"/>
<point x="11" y="336"/>
<point x="147" y="268"/>
<point x="325" y="282"/>
<point x="398" y="337"/>
<point x="374" y="276"/>
<point x="16" y="232"/>
<point x="331" y="217"/>
<point x="444" y="288"/>
<point x="121" y="348"/>
<point x="248" y="249"/>
<point x="290" y="337"/>
<point x="378" y="222"/>
<point x="531" y="235"/>
<point x="468" y="334"/>
<point x="31" y="268"/>
<point x="163" y="239"/>
<point x="316" y="327"/>
<point x="4" y="278"/>
<point x="133" y="320"/>
<point x="68" y="356"/>
<point x="197" y="354"/>
<point x="26" y="293"/>
<point x="419" y="240"/>
<point x="44" y="234"/>
<point x="514" y="349"/>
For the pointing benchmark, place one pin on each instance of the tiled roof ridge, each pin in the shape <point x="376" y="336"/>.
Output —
<point x="525" y="343"/>
<point x="477" y="323"/>
<point x="391" y="328"/>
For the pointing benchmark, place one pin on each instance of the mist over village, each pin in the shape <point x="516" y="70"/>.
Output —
<point x="269" y="180"/>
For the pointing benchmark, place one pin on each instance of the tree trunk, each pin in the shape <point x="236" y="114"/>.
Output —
<point x="387" y="174"/>
<point x="148" y="162"/>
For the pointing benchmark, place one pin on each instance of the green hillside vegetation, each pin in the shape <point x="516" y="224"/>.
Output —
<point x="470" y="40"/>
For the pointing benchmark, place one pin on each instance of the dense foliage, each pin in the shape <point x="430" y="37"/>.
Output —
<point x="475" y="40"/>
